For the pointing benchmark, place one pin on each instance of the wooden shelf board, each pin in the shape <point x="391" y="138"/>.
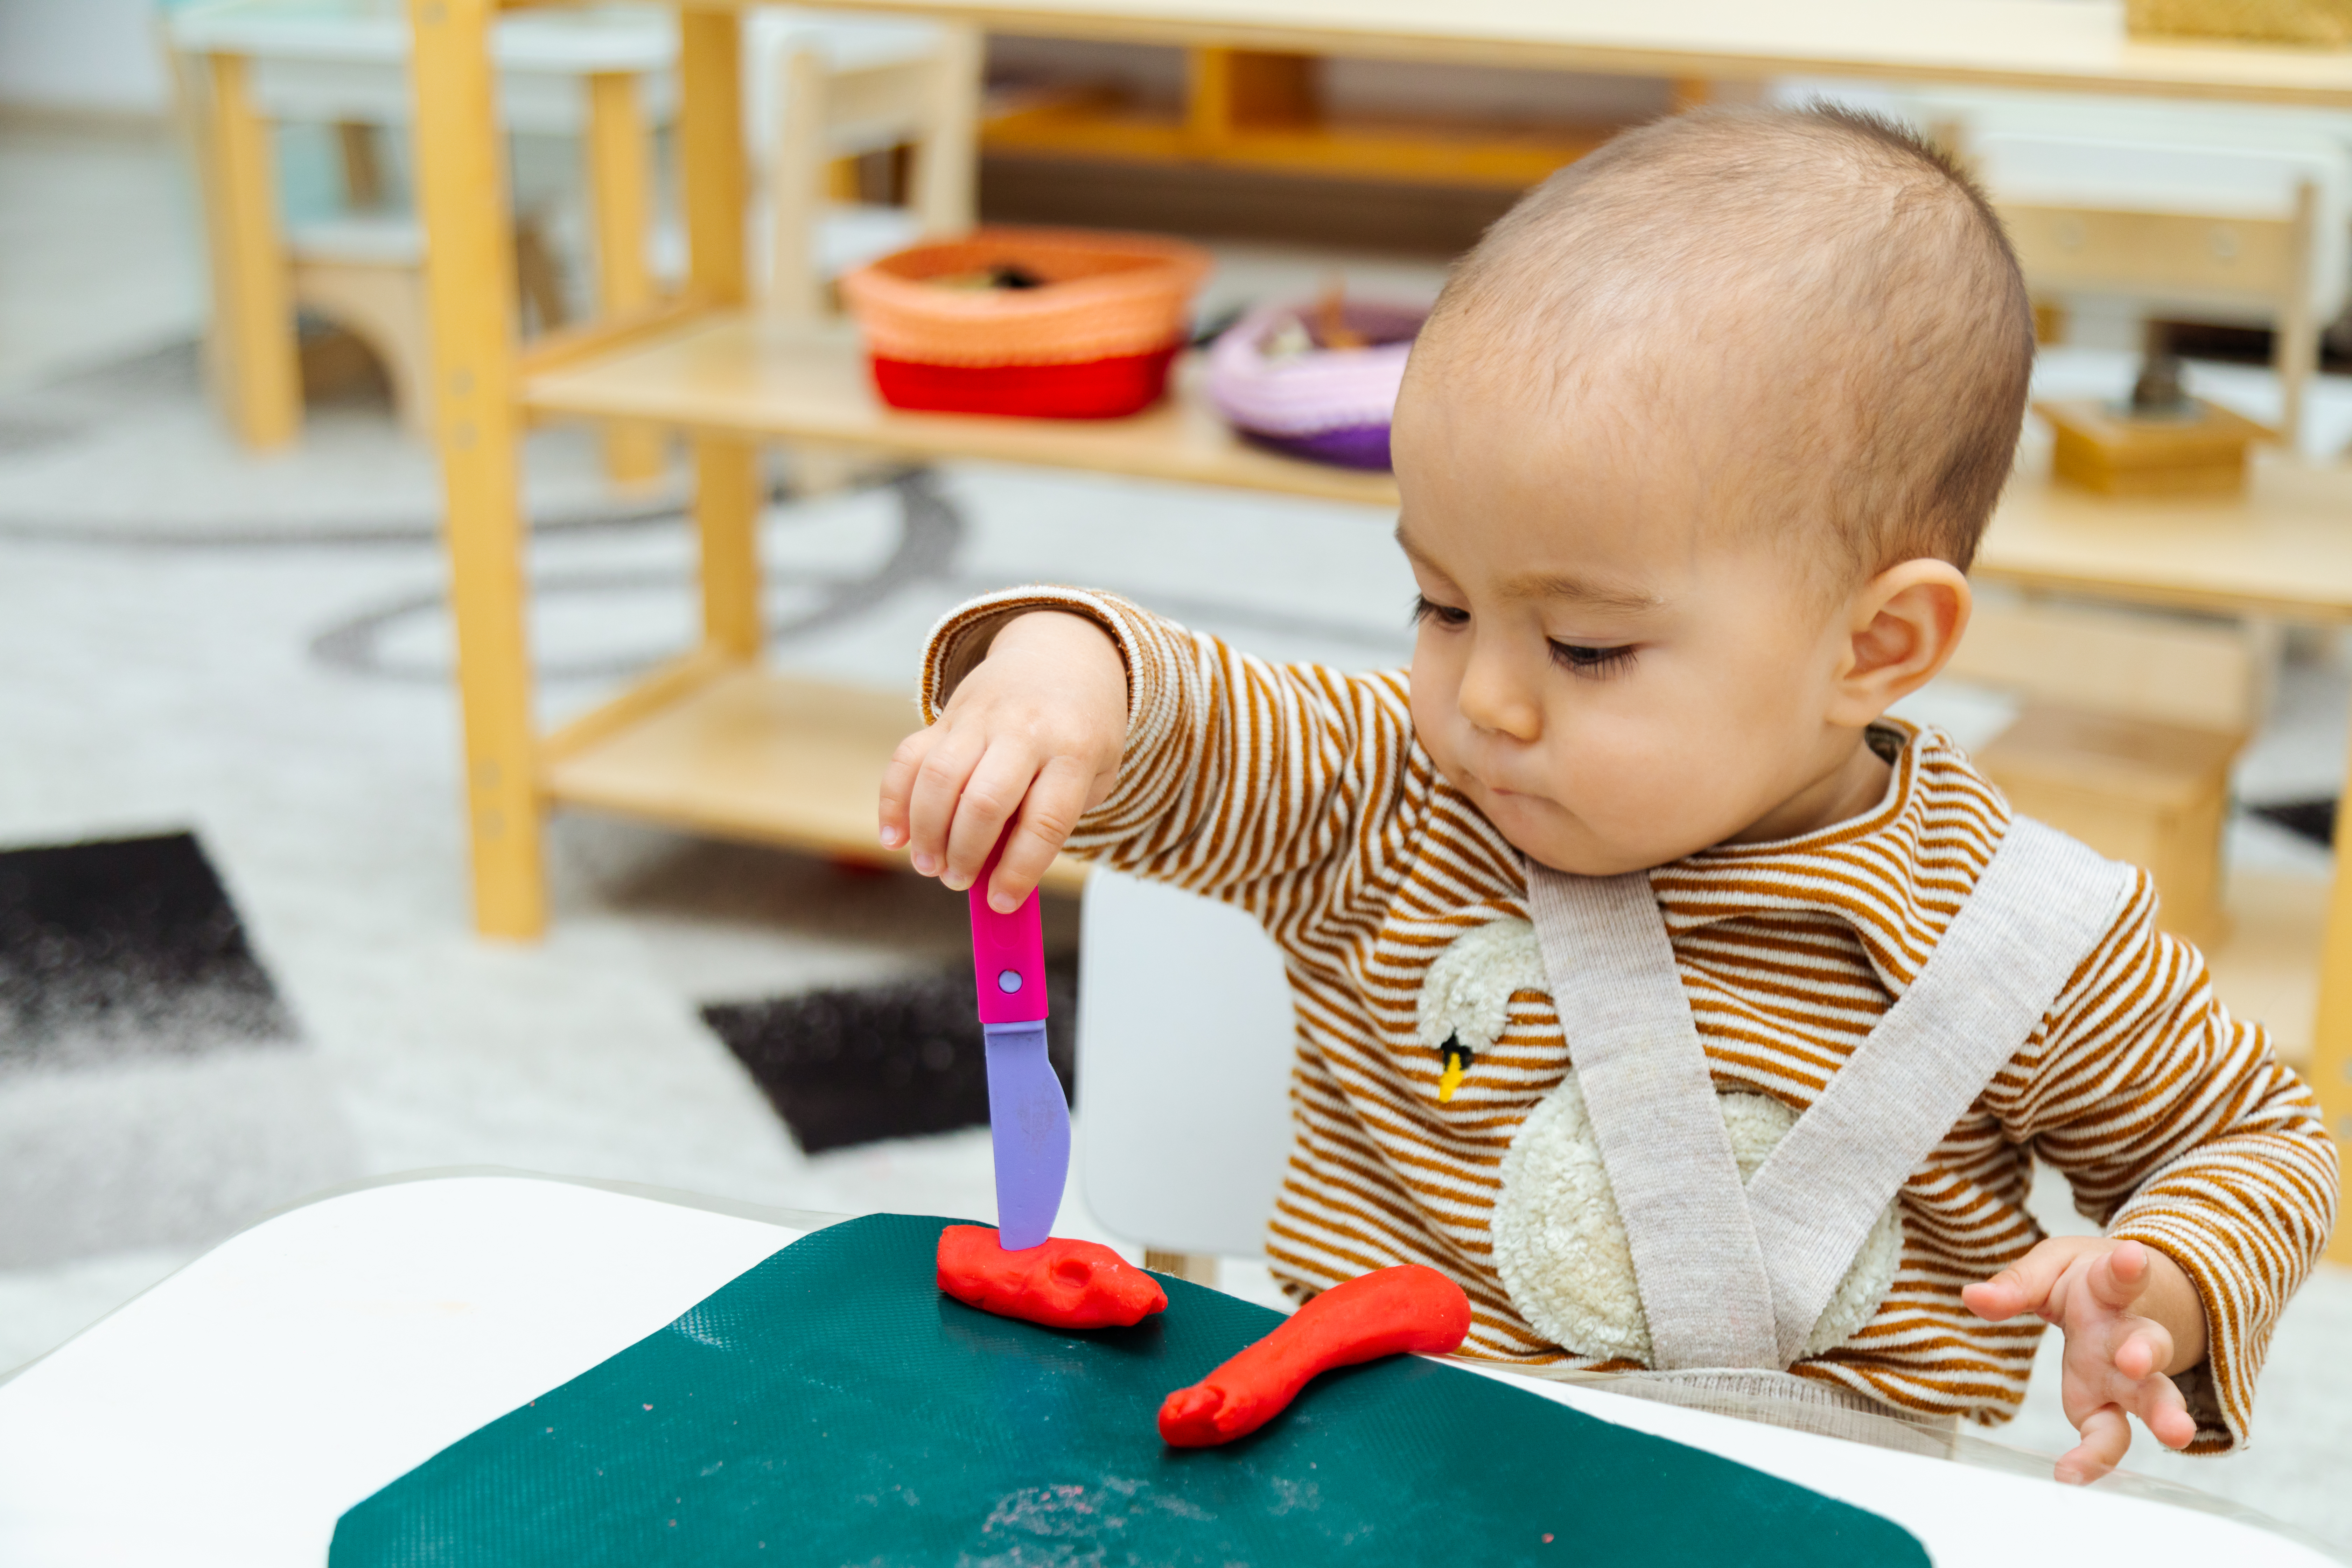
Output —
<point x="754" y="754"/>
<point x="2283" y="548"/>
<point x="1505" y="158"/>
<point x="1992" y="43"/>
<point x="747" y="376"/>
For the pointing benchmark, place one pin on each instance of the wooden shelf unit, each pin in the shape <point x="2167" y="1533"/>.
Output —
<point x="713" y="744"/>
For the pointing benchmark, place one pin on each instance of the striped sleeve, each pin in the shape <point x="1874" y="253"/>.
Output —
<point x="1278" y="787"/>
<point x="2177" y="1128"/>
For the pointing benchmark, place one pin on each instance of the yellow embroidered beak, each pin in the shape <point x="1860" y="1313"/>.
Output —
<point x="1458" y="1062"/>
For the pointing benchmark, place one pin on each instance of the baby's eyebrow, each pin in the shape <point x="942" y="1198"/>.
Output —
<point x="1580" y="591"/>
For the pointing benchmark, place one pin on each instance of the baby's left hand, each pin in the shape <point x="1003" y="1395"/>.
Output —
<point x="2130" y="1316"/>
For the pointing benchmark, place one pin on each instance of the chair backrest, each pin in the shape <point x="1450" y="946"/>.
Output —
<point x="830" y="110"/>
<point x="2198" y="673"/>
<point x="1185" y="1042"/>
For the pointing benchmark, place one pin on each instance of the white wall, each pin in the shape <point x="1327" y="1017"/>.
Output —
<point x="95" y="56"/>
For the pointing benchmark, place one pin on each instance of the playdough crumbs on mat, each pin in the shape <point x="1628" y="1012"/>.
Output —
<point x="1063" y="1284"/>
<point x="1390" y="1312"/>
<point x="865" y="1417"/>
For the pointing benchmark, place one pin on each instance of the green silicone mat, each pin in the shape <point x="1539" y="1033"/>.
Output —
<point x="830" y="1406"/>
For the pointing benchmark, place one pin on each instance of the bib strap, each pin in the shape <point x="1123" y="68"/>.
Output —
<point x="1651" y="1097"/>
<point x="2040" y="906"/>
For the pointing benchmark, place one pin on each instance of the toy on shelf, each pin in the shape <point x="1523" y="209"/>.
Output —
<point x="2160" y="442"/>
<point x="1051" y="323"/>
<point x="1317" y="381"/>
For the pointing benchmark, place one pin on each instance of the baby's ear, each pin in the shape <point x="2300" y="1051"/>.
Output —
<point x="1907" y="623"/>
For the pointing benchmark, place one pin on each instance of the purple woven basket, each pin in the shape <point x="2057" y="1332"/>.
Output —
<point x="1330" y="406"/>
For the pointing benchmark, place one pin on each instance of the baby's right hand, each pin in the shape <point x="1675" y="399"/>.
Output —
<point x="1035" y="728"/>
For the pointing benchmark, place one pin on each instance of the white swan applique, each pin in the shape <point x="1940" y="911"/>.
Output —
<point x="1560" y="1246"/>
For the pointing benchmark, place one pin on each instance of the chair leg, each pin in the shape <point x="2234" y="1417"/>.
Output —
<point x="1200" y="1268"/>
<point x="2296" y="351"/>
<point x="947" y="159"/>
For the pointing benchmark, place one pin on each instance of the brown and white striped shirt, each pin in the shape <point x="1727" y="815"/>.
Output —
<point x="1299" y="793"/>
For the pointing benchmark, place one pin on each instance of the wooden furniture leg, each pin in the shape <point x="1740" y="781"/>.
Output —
<point x="947" y="164"/>
<point x="363" y="167"/>
<point x="726" y="468"/>
<point x="620" y="185"/>
<point x="470" y="257"/>
<point x="2296" y="352"/>
<point x="257" y="371"/>
<point x="2331" y="1043"/>
<point x="798" y="166"/>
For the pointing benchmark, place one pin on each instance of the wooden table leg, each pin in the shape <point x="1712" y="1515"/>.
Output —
<point x="469" y="259"/>
<point x="726" y="469"/>
<point x="2331" y="1044"/>
<point x="620" y="184"/>
<point x="256" y="370"/>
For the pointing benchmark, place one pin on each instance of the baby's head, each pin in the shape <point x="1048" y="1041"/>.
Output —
<point x="1694" y="451"/>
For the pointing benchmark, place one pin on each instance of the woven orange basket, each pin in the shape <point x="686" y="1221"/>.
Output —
<point x="1053" y="323"/>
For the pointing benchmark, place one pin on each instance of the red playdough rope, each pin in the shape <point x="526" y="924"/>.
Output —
<point x="1063" y="1284"/>
<point x="1390" y="1312"/>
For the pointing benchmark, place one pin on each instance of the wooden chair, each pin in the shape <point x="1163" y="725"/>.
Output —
<point x="2223" y="213"/>
<point x="834" y="106"/>
<point x="244" y="66"/>
<point x="2130" y="726"/>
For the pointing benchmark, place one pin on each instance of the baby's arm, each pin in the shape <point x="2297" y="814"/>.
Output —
<point x="2184" y="1137"/>
<point x="1280" y="787"/>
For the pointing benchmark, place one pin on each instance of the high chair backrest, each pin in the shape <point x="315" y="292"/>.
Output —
<point x="1185" y="1040"/>
<point x="929" y="102"/>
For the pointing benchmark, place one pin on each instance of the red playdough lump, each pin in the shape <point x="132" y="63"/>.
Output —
<point x="1063" y="1284"/>
<point x="1389" y="1311"/>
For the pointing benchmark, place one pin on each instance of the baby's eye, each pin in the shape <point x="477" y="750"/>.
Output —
<point x="1592" y="663"/>
<point x="1424" y="608"/>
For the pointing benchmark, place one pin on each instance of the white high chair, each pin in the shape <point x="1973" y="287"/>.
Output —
<point x="1185" y="1040"/>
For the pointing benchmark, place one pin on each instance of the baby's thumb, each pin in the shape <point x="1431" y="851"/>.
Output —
<point x="2024" y="1287"/>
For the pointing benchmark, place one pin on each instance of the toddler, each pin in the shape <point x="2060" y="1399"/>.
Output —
<point x="1652" y="982"/>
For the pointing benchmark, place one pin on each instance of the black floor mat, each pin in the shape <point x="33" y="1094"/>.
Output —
<point x="125" y="947"/>
<point x="855" y="1066"/>
<point x="2312" y="819"/>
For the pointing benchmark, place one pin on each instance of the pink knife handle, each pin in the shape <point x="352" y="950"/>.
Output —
<point x="1008" y="956"/>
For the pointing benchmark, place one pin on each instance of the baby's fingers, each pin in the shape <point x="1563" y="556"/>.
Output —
<point x="2024" y="1287"/>
<point x="1051" y="809"/>
<point x="992" y="793"/>
<point x="2146" y="1351"/>
<point x="932" y="803"/>
<point x="2117" y="1278"/>
<point x="2106" y="1436"/>
<point x="2161" y="1406"/>
<point x="899" y="784"/>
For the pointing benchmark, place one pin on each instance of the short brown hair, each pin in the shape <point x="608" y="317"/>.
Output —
<point x="1896" y="328"/>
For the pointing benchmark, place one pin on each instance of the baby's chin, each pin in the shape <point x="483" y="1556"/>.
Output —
<point x="1551" y="834"/>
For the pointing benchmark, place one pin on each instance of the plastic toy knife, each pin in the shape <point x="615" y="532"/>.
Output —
<point x="1028" y="1120"/>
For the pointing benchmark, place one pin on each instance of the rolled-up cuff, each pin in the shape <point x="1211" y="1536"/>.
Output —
<point x="959" y="639"/>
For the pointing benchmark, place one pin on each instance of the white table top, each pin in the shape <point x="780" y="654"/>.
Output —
<point x="230" y="1415"/>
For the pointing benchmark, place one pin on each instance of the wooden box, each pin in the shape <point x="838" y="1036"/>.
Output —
<point x="2116" y="453"/>
<point x="2152" y="794"/>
